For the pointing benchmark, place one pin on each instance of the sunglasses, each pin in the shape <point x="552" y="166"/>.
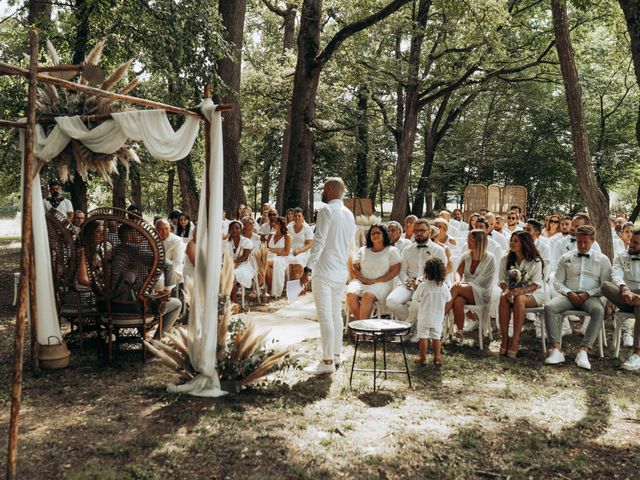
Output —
<point x="512" y="218"/>
<point x="554" y="221"/>
<point x="273" y="214"/>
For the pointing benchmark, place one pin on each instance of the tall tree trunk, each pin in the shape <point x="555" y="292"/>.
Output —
<point x="136" y="185"/>
<point x="362" y="153"/>
<point x="310" y="63"/>
<point x="423" y="193"/>
<point x="229" y="69"/>
<point x="188" y="186"/>
<point x="636" y="210"/>
<point x="78" y="192"/>
<point x="595" y="200"/>
<point x="411" y="110"/>
<point x="631" y="9"/>
<point x="170" y="182"/>
<point x="265" y="181"/>
<point x="289" y="19"/>
<point x="82" y="12"/>
<point x="373" y="190"/>
<point x="40" y="15"/>
<point x="119" y="190"/>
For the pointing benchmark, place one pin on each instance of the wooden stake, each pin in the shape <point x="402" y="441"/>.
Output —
<point x="27" y="260"/>
<point x="8" y="123"/>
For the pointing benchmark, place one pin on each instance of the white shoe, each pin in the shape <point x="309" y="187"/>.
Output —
<point x="582" y="360"/>
<point x="531" y="316"/>
<point x="627" y="339"/>
<point x="470" y="325"/>
<point x="566" y="327"/>
<point x="585" y="324"/>
<point x="321" y="368"/>
<point x="632" y="363"/>
<point x="555" y="357"/>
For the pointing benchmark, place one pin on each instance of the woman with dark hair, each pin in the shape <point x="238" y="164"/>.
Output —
<point x="173" y="220"/>
<point x="185" y="228"/>
<point x="301" y="242"/>
<point x="477" y="269"/>
<point x="375" y="269"/>
<point x="522" y="285"/>
<point x="289" y="216"/>
<point x="240" y="248"/>
<point x="279" y="244"/>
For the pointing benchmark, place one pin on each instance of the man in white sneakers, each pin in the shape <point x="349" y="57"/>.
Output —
<point x="579" y="276"/>
<point x="624" y="291"/>
<point x="332" y="241"/>
<point x="412" y="267"/>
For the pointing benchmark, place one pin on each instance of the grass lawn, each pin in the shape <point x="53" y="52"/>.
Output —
<point x="477" y="417"/>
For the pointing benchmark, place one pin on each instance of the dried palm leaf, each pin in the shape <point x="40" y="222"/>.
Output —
<point x="166" y="359"/>
<point x="265" y="367"/>
<point x="176" y="356"/>
<point x="130" y="86"/>
<point x="53" y="55"/>
<point x="251" y="344"/>
<point x="95" y="53"/>
<point x="176" y="339"/>
<point x="116" y="76"/>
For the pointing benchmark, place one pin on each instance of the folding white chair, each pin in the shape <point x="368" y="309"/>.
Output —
<point x="619" y="319"/>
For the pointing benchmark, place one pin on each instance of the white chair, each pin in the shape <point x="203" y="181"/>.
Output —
<point x="602" y="338"/>
<point x="619" y="318"/>
<point x="484" y="324"/>
<point x="539" y="313"/>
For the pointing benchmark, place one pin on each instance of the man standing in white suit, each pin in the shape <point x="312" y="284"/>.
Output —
<point x="332" y="241"/>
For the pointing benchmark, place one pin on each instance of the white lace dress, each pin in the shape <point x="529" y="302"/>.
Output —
<point x="280" y="264"/>
<point x="297" y="242"/>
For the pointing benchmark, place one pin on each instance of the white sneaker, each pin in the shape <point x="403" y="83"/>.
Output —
<point x="566" y="327"/>
<point x="632" y="363"/>
<point x="627" y="339"/>
<point x="585" y="324"/>
<point x="582" y="360"/>
<point x="555" y="357"/>
<point x="321" y="368"/>
<point x="470" y="325"/>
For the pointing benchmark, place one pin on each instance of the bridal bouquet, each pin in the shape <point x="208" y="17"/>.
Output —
<point x="518" y="278"/>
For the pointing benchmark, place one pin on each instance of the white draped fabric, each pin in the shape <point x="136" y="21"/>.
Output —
<point x="153" y="129"/>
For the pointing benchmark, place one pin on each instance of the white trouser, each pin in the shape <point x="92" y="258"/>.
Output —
<point x="397" y="302"/>
<point x="327" y="296"/>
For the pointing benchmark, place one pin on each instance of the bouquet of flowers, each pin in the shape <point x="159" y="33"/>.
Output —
<point x="412" y="283"/>
<point x="518" y="278"/>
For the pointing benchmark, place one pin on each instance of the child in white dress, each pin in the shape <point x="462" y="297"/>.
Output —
<point x="431" y="296"/>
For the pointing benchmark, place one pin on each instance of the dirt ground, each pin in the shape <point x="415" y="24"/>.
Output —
<point x="477" y="417"/>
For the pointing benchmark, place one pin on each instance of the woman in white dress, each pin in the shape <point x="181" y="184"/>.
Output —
<point x="477" y="271"/>
<point x="279" y="244"/>
<point x="185" y="227"/>
<point x="522" y="285"/>
<point x="375" y="268"/>
<point x="240" y="248"/>
<point x="248" y="232"/>
<point x="301" y="241"/>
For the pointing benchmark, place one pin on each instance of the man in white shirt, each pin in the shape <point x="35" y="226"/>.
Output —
<point x="568" y="242"/>
<point x="513" y="219"/>
<point x="624" y="291"/>
<point x="412" y="268"/>
<point x="267" y="229"/>
<point x="578" y="278"/>
<point x="332" y="241"/>
<point x="174" y="247"/>
<point x="500" y="239"/>
<point x="57" y="201"/>
<point x="395" y="235"/>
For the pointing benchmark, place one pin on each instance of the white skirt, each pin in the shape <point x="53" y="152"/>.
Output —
<point x="300" y="259"/>
<point x="380" y="290"/>
<point x="278" y="274"/>
<point x="244" y="274"/>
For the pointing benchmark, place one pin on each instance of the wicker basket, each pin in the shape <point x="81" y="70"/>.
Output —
<point x="54" y="355"/>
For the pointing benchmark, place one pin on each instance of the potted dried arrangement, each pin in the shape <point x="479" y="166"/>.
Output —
<point x="242" y="355"/>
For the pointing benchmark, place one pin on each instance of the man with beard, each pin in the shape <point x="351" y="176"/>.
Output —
<point x="624" y="291"/>
<point x="412" y="268"/>
<point x="56" y="200"/>
<point x="332" y="241"/>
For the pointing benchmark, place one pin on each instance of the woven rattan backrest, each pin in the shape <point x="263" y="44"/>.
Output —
<point x="494" y="197"/>
<point x="475" y="198"/>
<point x="115" y="237"/>
<point x="62" y="248"/>
<point x="514" y="195"/>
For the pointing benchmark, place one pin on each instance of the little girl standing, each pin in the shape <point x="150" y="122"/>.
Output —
<point x="431" y="297"/>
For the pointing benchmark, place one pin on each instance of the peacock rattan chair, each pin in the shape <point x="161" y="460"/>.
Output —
<point x="75" y="302"/>
<point x="514" y="195"/>
<point x="475" y="198"/>
<point x="124" y="257"/>
<point x="494" y="197"/>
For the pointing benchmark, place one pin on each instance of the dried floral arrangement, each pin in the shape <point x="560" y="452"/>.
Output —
<point x="76" y="158"/>
<point x="242" y="355"/>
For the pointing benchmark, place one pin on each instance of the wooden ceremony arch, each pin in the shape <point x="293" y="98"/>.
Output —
<point x="27" y="288"/>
